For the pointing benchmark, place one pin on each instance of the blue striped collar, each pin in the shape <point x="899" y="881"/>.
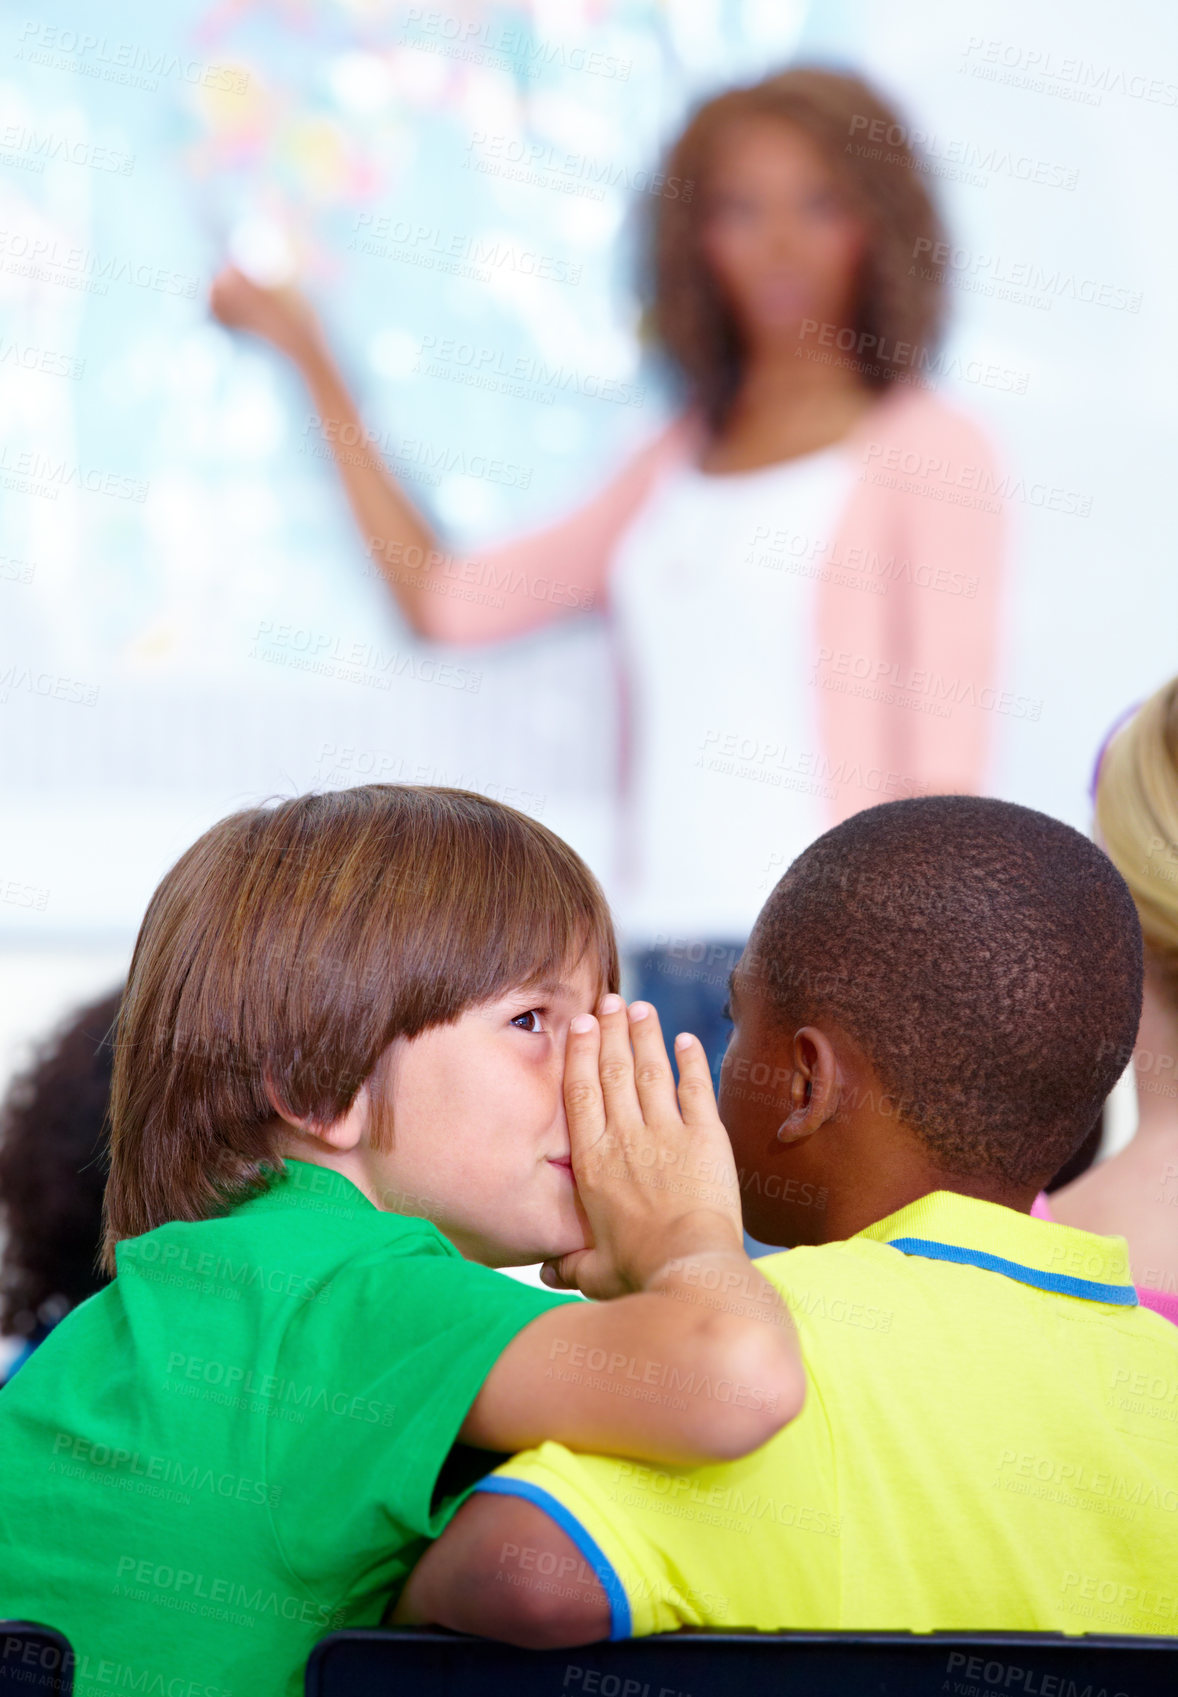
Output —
<point x="946" y="1226"/>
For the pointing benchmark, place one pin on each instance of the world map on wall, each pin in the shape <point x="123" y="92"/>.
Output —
<point x="473" y="176"/>
<point x="188" y="619"/>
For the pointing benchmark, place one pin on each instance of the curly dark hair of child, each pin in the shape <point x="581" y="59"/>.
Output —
<point x="53" y="1165"/>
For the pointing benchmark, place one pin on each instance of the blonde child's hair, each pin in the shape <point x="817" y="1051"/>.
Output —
<point x="1137" y="819"/>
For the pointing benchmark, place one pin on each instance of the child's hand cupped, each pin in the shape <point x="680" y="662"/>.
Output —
<point x="653" y="1164"/>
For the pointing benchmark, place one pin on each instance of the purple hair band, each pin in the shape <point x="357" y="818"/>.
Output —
<point x="1122" y="719"/>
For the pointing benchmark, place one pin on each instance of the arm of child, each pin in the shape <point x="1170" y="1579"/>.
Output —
<point x="486" y="1575"/>
<point x="695" y="1358"/>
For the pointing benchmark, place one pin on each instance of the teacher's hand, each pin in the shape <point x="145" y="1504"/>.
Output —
<point x="283" y="317"/>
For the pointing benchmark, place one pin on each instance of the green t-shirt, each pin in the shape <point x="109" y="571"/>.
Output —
<point x="235" y="1448"/>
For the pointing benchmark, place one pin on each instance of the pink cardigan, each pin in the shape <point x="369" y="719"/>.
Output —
<point x="907" y="677"/>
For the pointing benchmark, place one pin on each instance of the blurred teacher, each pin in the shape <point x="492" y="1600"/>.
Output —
<point x="801" y="572"/>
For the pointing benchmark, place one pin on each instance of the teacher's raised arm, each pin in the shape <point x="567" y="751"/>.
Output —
<point x="446" y="595"/>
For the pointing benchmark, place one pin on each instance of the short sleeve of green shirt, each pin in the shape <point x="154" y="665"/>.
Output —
<point x="373" y="1404"/>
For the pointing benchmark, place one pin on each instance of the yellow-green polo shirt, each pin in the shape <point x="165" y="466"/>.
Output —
<point x="989" y="1441"/>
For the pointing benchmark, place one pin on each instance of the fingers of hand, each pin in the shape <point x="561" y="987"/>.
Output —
<point x="653" y="1077"/>
<point x="616" y="1064"/>
<point x="697" y="1099"/>
<point x="552" y="1276"/>
<point x="583" y="1103"/>
<point x="568" y="1272"/>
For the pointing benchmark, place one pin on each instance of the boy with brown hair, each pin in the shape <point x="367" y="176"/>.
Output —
<point x="338" y="1090"/>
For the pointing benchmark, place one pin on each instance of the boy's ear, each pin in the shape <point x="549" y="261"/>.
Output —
<point x="814" y="1086"/>
<point x="342" y="1134"/>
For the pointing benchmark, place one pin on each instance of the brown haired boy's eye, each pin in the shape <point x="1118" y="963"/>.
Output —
<point x="533" y="1015"/>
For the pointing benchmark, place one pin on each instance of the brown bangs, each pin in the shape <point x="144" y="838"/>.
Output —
<point x="291" y="944"/>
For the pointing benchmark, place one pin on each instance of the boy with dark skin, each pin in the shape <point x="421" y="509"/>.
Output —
<point x="833" y="1128"/>
<point x="931" y="1038"/>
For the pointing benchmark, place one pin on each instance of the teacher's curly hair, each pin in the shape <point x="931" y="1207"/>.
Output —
<point x="900" y="299"/>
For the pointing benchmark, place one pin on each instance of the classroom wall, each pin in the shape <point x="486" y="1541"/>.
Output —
<point x="187" y="622"/>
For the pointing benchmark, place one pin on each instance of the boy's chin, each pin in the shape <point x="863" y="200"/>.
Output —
<point x="550" y="1249"/>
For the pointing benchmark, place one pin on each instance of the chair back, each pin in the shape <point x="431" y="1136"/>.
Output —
<point x="34" y="1660"/>
<point x="728" y="1664"/>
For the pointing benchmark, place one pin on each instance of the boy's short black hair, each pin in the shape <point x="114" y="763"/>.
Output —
<point x="985" y="957"/>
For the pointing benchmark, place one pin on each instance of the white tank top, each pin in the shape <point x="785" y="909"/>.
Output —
<point x="713" y="587"/>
